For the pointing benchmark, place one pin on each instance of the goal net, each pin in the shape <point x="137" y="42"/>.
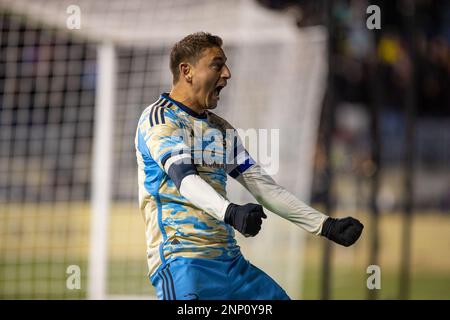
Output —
<point x="70" y="99"/>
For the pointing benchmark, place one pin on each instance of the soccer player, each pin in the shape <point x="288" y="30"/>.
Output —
<point x="184" y="155"/>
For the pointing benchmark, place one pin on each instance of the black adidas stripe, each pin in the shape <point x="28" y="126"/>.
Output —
<point x="168" y="292"/>
<point x="150" y="118"/>
<point x="171" y="284"/>
<point x="166" y="295"/>
<point x="151" y="110"/>
<point x="157" y="112"/>
<point x="161" y="115"/>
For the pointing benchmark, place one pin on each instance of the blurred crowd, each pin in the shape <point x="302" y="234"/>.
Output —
<point x="391" y="47"/>
<point x="410" y="53"/>
<point x="407" y="58"/>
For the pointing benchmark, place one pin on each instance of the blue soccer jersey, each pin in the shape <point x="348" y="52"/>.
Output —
<point x="174" y="226"/>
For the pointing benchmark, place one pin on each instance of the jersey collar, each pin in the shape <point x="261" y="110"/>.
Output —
<point x="186" y="109"/>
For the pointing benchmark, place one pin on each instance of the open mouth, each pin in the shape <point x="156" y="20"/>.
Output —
<point x="217" y="90"/>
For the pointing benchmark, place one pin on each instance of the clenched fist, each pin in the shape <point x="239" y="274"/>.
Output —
<point x="246" y="219"/>
<point x="344" y="231"/>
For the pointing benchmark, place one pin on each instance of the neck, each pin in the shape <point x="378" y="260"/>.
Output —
<point x="180" y="94"/>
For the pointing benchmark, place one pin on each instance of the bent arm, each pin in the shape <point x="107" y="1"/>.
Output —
<point x="280" y="201"/>
<point x="246" y="219"/>
<point x="191" y="186"/>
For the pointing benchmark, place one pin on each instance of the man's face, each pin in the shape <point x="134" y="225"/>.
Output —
<point x="209" y="76"/>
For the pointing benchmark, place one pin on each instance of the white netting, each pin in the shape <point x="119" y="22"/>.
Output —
<point x="48" y="89"/>
<point x="46" y="116"/>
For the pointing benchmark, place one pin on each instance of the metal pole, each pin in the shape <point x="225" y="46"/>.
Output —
<point x="410" y="111"/>
<point x="375" y="181"/>
<point x="101" y="171"/>
<point x="328" y="119"/>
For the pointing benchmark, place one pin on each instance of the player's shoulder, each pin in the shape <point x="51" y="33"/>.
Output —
<point x="158" y="113"/>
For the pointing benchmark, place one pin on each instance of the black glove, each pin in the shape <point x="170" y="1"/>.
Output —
<point x="344" y="231"/>
<point x="246" y="219"/>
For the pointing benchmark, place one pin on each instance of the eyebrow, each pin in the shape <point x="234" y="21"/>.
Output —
<point x="219" y="59"/>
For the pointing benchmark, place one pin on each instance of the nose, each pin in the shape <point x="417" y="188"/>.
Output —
<point x="226" y="73"/>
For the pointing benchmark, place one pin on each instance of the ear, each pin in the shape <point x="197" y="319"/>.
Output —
<point x="186" y="71"/>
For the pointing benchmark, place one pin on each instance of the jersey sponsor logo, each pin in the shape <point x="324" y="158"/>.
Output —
<point x="211" y="165"/>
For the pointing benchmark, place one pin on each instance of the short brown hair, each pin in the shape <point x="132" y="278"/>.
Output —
<point x="190" y="48"/>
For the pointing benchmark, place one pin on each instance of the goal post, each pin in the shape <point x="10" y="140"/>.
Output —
<point x="102" y="170"/>
<point x="71" y="100"/>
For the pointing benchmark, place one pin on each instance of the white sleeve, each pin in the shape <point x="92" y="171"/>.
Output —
<point x="203" y="196"/>
<point x="191" y="186"/>
<point x="280" y="201"/>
